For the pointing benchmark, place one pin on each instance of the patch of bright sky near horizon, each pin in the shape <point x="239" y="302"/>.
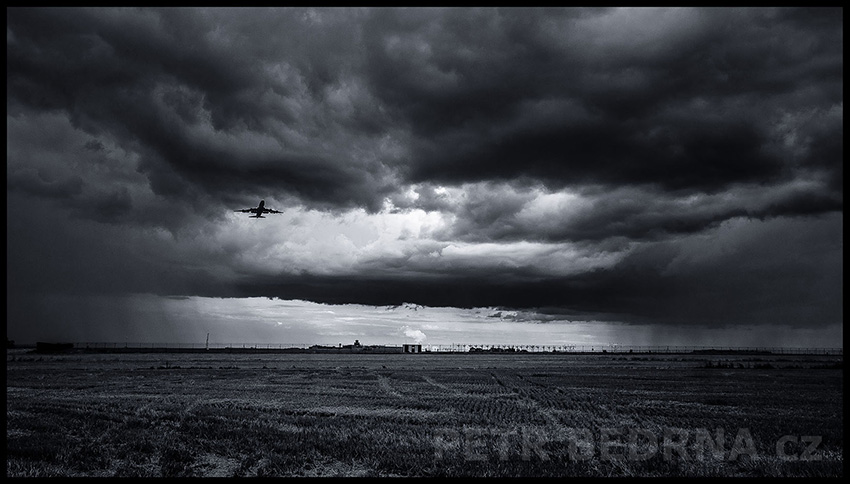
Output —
<point x="150" y="319"/>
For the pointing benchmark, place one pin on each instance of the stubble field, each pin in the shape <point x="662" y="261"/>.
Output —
<point x="224" y="415"/>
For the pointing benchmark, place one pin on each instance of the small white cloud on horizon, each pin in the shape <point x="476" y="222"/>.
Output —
<point x="417" y="335"/>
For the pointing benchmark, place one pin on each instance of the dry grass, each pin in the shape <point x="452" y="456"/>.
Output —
<point x="414" y="415"/>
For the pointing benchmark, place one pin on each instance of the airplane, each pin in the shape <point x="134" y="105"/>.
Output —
<point x="259" y="211"/>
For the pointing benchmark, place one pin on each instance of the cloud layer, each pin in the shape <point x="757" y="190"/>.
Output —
<point x="678" y="166"/>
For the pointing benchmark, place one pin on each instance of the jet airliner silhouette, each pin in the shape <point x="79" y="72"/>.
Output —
<point x="259" y="210"/>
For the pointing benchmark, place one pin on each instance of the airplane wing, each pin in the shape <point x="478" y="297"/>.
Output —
<point x="247" y="210"/>
<point x="272" y="211"/>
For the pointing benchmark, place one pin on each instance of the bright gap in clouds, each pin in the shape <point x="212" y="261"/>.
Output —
<point x="275" y="321"/>
<point x="356" y="242"/>
<point x="150" y="319"/>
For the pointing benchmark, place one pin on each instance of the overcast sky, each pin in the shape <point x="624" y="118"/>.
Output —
<point x="632" y="176"/>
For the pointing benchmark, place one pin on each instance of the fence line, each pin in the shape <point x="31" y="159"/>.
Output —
<point x="630" y="349"/>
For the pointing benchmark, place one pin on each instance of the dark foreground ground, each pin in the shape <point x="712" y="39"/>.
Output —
<point x="423" y="415"/>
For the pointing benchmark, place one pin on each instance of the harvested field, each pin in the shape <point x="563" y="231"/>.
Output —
<point x="423" y="415"/>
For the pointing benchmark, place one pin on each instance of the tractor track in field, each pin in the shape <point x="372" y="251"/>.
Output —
<point x="529" y="399"/>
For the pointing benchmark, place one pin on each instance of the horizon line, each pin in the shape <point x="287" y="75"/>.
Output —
<point x="443" y="347"/>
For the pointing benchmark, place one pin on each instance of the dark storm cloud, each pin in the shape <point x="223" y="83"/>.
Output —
<point x="649" y="133"/>
<point x="684" y="107"/>
<point x="681" y="99"/>
<point x="34" y="184"/>
<point x="598" y="213"/>
<point x="174" y="83"/>
<point x="676" y="154"/>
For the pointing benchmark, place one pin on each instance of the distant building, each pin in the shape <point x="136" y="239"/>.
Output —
<point x="411" y="349"/>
